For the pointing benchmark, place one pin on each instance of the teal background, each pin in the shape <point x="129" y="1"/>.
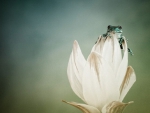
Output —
<point x="36" y="38"/>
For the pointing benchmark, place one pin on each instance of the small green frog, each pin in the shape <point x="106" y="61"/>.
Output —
<point x="116" y="30"/>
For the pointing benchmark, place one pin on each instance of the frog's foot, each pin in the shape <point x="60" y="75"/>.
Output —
<point x="104" y="35"/>
<point x="130" y="51"/>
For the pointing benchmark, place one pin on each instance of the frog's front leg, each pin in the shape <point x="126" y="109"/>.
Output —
<point x="121" y="40"/>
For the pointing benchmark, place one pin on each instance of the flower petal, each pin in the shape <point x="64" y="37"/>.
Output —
<point x="107" y="52"/>
<point x="75" y="69"/>
<point x="123" y="65"/>
<point x="117" y="56"/>
<point x="115" y="107"/>
<point x="83" y="107"/>
<point x="127" y="83"/>
<point x="112" y="52"/>
<point x="98" y="47"/>
<point x="99" y="83"/>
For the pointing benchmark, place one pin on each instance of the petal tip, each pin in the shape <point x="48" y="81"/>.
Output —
<point x="130" y="102"/>
<point x="92" y="56"/>
<point x="64" y="101"/>
<point x="132" y="70"/>
<point x="75" y="45"/>
<point x="75" y="42"/>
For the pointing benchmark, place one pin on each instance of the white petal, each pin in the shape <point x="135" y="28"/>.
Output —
<point x="107" y="52"/>
<point x="99" y="85"/>
<point x="115" y="107"/>
<point x="75" y="69"/>
<point x="83" y="107"/>
<point x="98" y="47"/>
<point x="127" y="83"/>
<point x="117" y="56"/>
<point x="112" y="52"/>
<point x="123" y="66"/>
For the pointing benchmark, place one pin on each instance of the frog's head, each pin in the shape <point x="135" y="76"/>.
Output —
<point x="115" y="29"/>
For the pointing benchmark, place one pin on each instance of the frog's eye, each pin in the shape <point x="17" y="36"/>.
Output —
<point x="120" y="27"/>
<point x="109" y="26"/>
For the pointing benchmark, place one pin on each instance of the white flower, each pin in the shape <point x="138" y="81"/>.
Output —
<point x="104" y="79"/>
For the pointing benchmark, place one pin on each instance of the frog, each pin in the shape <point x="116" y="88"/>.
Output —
<point x="116" y="30"/>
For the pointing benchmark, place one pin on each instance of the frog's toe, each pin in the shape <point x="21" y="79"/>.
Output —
<point x="130" y="51"/>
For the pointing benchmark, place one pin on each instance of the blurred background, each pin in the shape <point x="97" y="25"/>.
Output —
<point x="36" y="38"/>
